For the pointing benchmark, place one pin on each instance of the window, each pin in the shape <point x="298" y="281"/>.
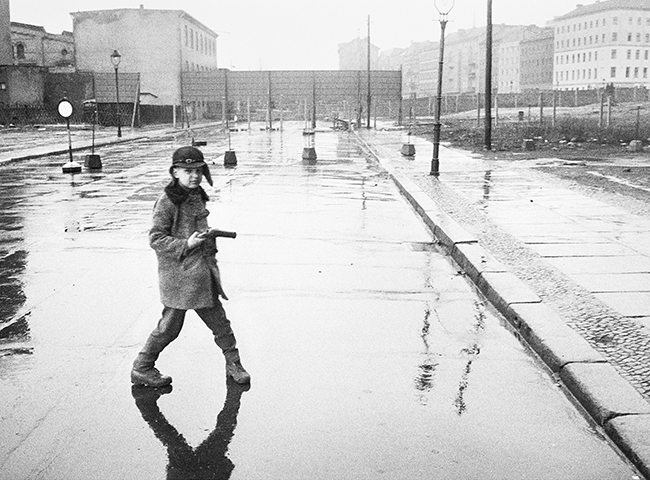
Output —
<point x="627" y="72"/>
<point x="614" y="36"/>
<point x="584" y="57"/>
<point x="638" y="37"/>
<point x="636" y="72"/>
<point x="645" y="56"/>
<point x="186" y="36"/>
<point x="647" y="38"/>
<point x="637" y="55"/>
<point x="629" y="37"/>
<point x="615" y="20"/>
<point x="645" y="72"/>
<point x="612" y="72"/>
<point x="20" y="51"/>
<point x="629" y="54"/>
<point x="614" y="53"/>
<point x="630" y="20"/>
<point x="192" y="38"/>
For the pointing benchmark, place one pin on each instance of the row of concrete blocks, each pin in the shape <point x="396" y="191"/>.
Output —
<point x="610" y="400"/>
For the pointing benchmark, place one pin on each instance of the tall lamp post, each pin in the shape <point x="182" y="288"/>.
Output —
<point x="443" y="7"/>
<point x="115" y="60"/>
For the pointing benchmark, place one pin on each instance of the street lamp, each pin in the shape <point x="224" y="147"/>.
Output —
<point x="115" y="60"/>
<point x="443" y="7"/>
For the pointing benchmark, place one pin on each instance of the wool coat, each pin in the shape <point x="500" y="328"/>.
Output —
<point x="189" y="279"/>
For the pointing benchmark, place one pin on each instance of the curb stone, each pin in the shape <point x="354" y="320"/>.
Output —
<point x="608" y="398"/>
<point x="630" y="433"/>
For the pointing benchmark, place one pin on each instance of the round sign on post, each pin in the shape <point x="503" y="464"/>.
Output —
<point x="65" y="110"/>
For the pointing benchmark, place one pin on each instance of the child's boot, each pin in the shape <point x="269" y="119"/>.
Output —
<point x="144" y="372"/>
<point x="235" y="370"/>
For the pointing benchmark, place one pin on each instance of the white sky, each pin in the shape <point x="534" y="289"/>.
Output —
<point x="305" y="34"/>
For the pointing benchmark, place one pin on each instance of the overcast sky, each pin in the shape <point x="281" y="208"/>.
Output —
<point x="304" y="34"/>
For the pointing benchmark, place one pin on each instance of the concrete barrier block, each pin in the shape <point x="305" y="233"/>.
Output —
<point x="503" y="289"/>
<point x="474" y="260"/>
<point x="556" y="343"/>
<point x="602" y="391"/>
<point x="635" y="146"/>
<point x="631" y="433"/>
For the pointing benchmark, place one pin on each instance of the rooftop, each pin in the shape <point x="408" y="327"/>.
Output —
<point x="605" y="6"/>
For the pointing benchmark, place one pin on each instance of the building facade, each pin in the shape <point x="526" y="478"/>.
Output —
<point x="32" y="45"/>
<point x="537" y="61"/>
<point x="353" y="55"/>
<point x="6" y="58"/>
<point x="602" y="43"/>
<point x="157" y="44"/>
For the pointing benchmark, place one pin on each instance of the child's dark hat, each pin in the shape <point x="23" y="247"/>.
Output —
<point x="191" y="157"/>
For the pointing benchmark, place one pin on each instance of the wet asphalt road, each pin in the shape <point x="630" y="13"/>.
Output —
<point x="371" y="356"/>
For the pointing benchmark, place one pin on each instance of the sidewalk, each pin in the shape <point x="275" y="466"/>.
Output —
<point x="571" y="273"/>
<point x="23" y="144"/>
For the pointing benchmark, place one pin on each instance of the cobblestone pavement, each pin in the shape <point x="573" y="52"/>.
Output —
<point x="474" y="191"/>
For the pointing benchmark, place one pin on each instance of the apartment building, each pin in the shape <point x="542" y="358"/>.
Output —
<point x="536" y="65"/>
<point x="353" y="55"/>
<point x="157" y="44"/>
<point x="601" y="43"/>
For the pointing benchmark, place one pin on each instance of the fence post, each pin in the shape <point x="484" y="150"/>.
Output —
<point x="602" y="110"/>
<point x="609" y="111"/>
<point x="496" y="109"/>
<point x="478" y="109"/>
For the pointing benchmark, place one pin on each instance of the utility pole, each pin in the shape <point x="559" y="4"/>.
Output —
<point x="369" y="97"/>
<point x="488" y="78"/>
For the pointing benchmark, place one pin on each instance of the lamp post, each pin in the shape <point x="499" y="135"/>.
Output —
<point x="443" y="7"/>
<point x="115" y="60"/>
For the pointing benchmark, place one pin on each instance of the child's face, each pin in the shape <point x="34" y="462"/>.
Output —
<point x="188" y="177"/>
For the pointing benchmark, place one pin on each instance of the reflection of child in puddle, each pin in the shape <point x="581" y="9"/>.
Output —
<point x="209" y="459"/>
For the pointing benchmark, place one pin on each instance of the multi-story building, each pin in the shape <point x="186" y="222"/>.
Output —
<point x="536" y="71"/>
<point x="32" y="45"/>
<point x="157" y="44"/>
<point x="601" y="43"/>
<point x="464" y="64"/>
<point x="6" y="58"/>
<point x="354" y="55"/>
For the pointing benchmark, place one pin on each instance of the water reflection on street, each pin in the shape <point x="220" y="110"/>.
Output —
<point x="371" y="354"/>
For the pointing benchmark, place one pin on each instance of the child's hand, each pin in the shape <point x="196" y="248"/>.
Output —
<point x="195" y="240"/>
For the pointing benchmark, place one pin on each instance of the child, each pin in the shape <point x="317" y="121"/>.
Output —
<point x="187" y="269"/>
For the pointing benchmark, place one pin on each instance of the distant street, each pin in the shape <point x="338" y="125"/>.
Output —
<point x="371" y="354"/>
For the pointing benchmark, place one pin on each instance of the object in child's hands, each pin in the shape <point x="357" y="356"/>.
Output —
<point x="214" y="232"/>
